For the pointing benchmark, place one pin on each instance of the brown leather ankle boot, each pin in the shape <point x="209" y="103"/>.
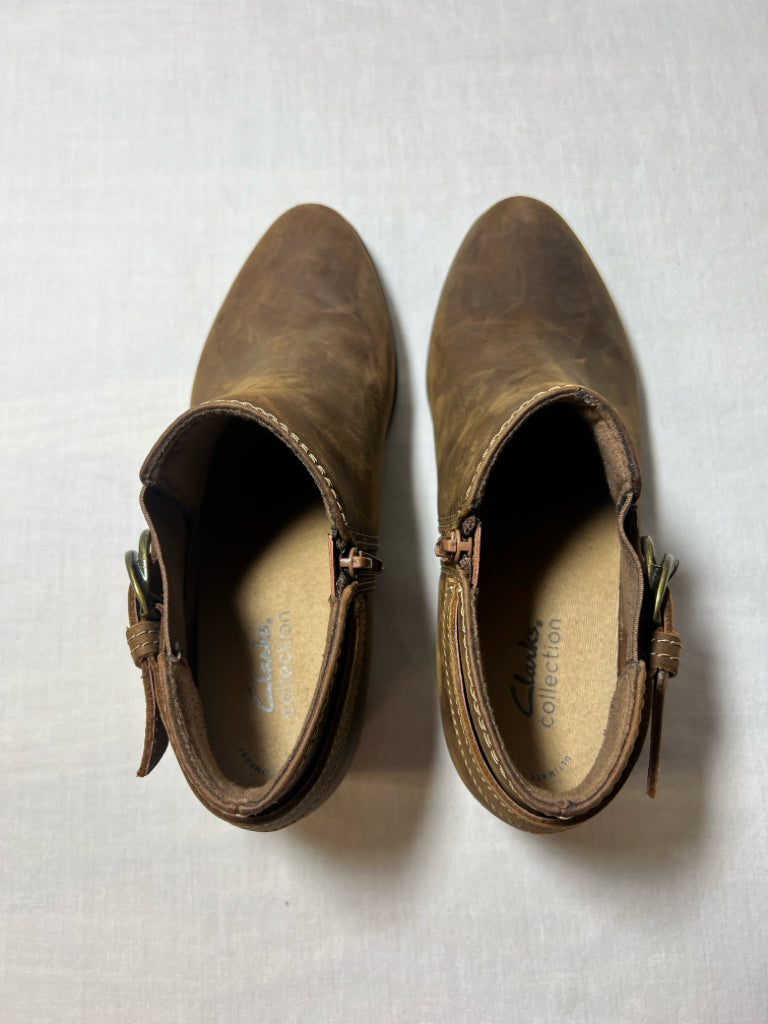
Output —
<point x="250" y="605"/>
<point x="555" y="632"/>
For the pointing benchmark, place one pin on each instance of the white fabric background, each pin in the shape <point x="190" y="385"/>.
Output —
<point x="146" y="146"/>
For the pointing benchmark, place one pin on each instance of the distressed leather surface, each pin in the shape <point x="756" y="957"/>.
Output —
<point x="523" y="313"/>
<point x="525" y="320"/>
<point x="302" y="346"/>
<point x="304" y="335"/>
<point x="144" y="644"/>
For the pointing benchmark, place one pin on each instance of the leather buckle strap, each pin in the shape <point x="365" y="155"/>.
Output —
<point x="665" y="652"/>
<point x="143" y="636"/>
<point x="143" y="640"/>
<point x="665" y="647"/>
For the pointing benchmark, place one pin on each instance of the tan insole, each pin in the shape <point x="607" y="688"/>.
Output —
<point x="263" y="606"/>
<point x="549" y="599"/>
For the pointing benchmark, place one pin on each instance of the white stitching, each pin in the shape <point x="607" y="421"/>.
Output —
<point x="475" y="703"/>
<point x="144" y="632"/>
<point x="481" y="784"/>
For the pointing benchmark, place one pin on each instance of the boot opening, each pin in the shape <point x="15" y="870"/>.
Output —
<point x="261" y="600"/>
<point x="549" y="598"/>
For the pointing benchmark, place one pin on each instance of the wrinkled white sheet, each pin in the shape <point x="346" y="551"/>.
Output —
<point x="145" y="148"/>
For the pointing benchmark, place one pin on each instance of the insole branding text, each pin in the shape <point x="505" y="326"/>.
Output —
<point x="542" y="662"/>
<point x="272" y="682"/>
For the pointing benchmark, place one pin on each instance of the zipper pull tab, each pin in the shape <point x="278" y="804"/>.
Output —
<point x="462" y="547"/>
<point x="357" y="561"/>
<point x="451" y="547"/>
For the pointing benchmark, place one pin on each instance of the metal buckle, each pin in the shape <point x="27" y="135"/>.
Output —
<point x="658" y="575"/>
<point x="138" y="563"/>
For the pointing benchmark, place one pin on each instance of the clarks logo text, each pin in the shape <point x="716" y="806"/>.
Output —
<point x="273" y="679"/>
<point x="525" y="693"/>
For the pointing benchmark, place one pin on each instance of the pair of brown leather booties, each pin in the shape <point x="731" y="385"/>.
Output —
<point x="251" y="592"/>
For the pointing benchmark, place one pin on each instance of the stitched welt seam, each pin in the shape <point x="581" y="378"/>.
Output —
<point x="480" y="783"/>
<point x="475" y="704"/>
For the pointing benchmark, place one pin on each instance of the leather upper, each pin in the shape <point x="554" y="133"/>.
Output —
<point x="304" y="336"/>
<point x="303" y="347"/>
<point x="524" y="320"/>
<point x="523" y="315"/>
